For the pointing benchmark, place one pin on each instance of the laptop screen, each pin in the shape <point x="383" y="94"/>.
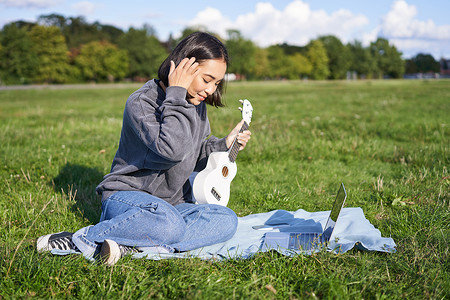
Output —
<point x="334" y="214"/>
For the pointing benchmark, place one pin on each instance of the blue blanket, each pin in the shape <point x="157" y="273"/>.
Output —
<point x="351" y="229"/>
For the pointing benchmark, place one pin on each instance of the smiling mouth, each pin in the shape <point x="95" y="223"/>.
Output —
<point x="201" y="97"/>
<point x="198" y="96"/>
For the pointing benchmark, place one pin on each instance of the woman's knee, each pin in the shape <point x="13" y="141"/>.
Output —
<point x="227" y="217"/>
<point x="149" y="214"/>
<point x="165" y="219"/>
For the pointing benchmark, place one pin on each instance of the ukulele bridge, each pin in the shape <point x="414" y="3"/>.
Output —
<point x="215" y="194"/>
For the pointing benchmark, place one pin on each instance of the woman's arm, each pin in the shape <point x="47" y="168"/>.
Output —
<point x="215" y="144"/>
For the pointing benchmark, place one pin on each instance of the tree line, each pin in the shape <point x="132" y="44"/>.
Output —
<point x="58" y="49"/>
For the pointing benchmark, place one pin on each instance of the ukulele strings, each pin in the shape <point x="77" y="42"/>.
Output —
<point x="235" y="147"/>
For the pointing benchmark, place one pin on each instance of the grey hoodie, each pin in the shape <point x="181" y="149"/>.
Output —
<point x="163" y="140"/>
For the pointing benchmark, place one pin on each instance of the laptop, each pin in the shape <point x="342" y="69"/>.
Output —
<point x="306" y="241"/>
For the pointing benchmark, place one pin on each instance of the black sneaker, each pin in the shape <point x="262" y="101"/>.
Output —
<point x="111" y="252"/>
<point x="60" y="240"/>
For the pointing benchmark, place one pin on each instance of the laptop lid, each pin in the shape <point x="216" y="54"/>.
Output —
<point x="335" y="211"/>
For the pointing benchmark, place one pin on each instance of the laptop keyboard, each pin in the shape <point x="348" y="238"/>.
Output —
<point x="305" y="241"/>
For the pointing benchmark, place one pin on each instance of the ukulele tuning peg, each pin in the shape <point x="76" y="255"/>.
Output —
<point x="242" y="101"/>
<point x="240" y="108"/>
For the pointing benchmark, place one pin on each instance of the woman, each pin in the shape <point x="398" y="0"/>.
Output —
<point x="147" y="198"/>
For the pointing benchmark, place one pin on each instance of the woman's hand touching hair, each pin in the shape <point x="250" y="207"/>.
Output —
<point x="183" y="74"/>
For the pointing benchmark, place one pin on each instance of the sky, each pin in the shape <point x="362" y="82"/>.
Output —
<point x="413" y="26"/>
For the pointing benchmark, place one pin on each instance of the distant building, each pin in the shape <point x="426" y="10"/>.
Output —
<point x="445" y="67"/>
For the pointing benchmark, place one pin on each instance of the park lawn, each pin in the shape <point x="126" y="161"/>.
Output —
<point x="388" y="141"/>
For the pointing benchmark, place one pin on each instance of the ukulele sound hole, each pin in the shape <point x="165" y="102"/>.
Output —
<point x="225" y="171"/>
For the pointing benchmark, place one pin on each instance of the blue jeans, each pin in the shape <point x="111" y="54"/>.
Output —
<point x="139" y="219"/>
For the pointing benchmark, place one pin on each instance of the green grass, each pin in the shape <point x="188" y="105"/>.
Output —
<point x="388" y="141"/>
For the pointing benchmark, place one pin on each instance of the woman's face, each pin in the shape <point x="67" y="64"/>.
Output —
<point x="211" y="73"/>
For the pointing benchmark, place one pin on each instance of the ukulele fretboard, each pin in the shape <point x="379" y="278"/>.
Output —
<point x="234" y="150"/>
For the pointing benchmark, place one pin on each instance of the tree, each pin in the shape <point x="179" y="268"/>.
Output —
<point x="288" y="61"/>
<point x="109" y="33"/>
<point x="101" y="61"/>
<point x="52" y="54"/>
<point x="362" y="61"/>
<point x="389" y="59"/>
<point x="279" y="63"/>
<point x="241" y="52"/>
<point x="292" y="49"/>
<point x="410" y="66"/>
<point x="286" y="66"/>
<point x="339" y="59"/>
<point x="23" y="25"/>
<point x="261" y="68"/>
<point x="426" y="63"/>
<point x="77" y="31"/>
<point x="18" y="61"/>
<point x="301" y="65"/>
<point x="145" y="52"/>
<point x="317" y="55"/>
<point x="52" y="20"/>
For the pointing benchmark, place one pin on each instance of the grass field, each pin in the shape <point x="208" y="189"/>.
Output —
<point x="388" y="141"/>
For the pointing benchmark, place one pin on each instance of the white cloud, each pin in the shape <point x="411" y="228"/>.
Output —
<point x="411" y="47"/>
<point x="295" y="24"/>
<point x="84" y="7"/>
<point x="410" y="35"/>
<point x="29" y="3"/>
<point x="213" y="20"/>
<point x="401" y="22"/>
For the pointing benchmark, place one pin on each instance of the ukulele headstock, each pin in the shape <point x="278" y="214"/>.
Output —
<point x="247" y="110"/>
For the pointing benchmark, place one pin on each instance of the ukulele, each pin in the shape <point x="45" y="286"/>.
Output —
<point x="212" y="184"/>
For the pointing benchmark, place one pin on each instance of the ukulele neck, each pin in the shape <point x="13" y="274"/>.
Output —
<point x="234" y="149"/>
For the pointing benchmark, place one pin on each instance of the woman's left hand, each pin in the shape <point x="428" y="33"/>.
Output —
<point x="242" y="138"/>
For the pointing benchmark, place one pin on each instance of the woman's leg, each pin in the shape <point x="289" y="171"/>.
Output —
<point x="206" y="224"/>
<point x="132" y="218"/>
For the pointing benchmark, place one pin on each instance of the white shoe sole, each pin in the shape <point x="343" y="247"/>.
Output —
<point x="110" y="252"/>
<point x="42" y="243"/>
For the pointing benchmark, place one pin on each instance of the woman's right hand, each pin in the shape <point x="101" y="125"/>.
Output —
<point x="183" y="74"/>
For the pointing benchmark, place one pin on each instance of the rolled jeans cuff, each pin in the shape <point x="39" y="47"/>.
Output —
<point x="86" y="247"/>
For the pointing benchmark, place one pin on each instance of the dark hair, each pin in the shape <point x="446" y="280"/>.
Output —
<point x="202" y="46"/>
